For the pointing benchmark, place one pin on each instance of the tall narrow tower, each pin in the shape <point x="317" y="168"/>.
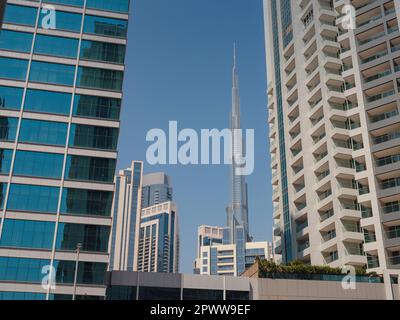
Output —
<point x="237" y="210"/>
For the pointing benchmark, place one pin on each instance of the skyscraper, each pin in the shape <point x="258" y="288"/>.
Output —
<point x="60" y="99"/>
<point x="126" y="218"/>
<point x="229" y="250"/>
<point x="145" y="235"/>
<point x="158" y="246"/>
<point x="334" y="131"/>
<point x="156" y="189"/>
<point x="237" y="210"/>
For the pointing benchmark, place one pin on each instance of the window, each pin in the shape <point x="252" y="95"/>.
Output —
<point x="27" y="234"/>
<point x="202" y="294"/>
<point x="22" y="269"/>
<point x="33" y="198"/>
<point x="56" y="46"/>
<point x="115" y="5"/>
<point x="90" y="169"/>
<point x="52" y="73"/>
<point x="102" y="51"/>
<point x="93" y="238"/>
<point x="93" y="137"/>
<point x="43" y="132"/>
<point x="47" y="102"/>
<point x="66" y="21"/>
<point x="15" y="41"/>
<point x="10" y="97"/>
<point x="76" y="3"/>
<point x="14" y="69"/>
<point x="99" y="78"/>
<point x="86" y="202"/>
<point x="8" y="128"/>
<point x="97" y="107"/>
<point x="158" y="293"/>
<point x="20" y="15"/>
<point x="38" y="164"/>
<point x="5" y="160"/>
<point x="105" y="26"/>
<point x="88" y="272"/>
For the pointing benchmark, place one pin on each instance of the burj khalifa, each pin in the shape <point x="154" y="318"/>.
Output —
<point x="237" y="229"/>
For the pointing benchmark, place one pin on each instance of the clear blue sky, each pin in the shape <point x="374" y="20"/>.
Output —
<point x="179" y="64"/>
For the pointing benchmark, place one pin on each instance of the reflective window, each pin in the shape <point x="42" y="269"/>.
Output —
<point x="27" y="234"/>
<point x="121" y="293"/>
<point x="76" y="3"/>
<point x="90" y="169"/>
<point x="105" y="26"/>
<point x="43" y="132"/>
<point x="47" y="102"/>
<point x="3" y="189"/>
<point x="52" y="73"/>
<point x="15" y="41"/>
<point x="13" y="68"/>
<point x="22" y="296"/>
<point x="38" y="164"/>
<point x="159" y="293"/>
<point x="22" y="269"/>
<point x="93" y="137"/>
<point x="100" y="78"/>
<point x="86" y="202"/>
<point x="10" y="97"/>
<point x="88" y="272"/>
<point x="115" y="5"/>
<point x="202" y="294"/>
<point x="92" y="238"/>
<point x="102" y="51"/>
<point x="8" y="128"/>
<point x="97" y="107"/>
<point x="66" y="21"/>
<point x="5" y="160"/>
<point x="56" y="46"/>
<point x="33" y="198"/>
<point x="20" y="15"/>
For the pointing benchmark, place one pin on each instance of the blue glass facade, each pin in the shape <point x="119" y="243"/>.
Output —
<point x="58" y="162"/>
<point x="287" y="232"/>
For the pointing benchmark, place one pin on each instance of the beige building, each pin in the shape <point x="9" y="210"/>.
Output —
<point x="334" y="77"/>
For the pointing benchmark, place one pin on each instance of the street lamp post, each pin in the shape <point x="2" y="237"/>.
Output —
<point x="78" y="249"/>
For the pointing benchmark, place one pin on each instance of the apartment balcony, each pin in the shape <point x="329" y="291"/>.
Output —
<point x="390" y="212"/>
<point x="277" y="229"/>
<point x="276" y="213"/>
<point x="302" y="230"/>
<point x="352" y="236"/>
<point x="392" y="240"/>
<point x="322" y="180"/>
<point x="386" y="141"/>
<point x="347" y="191"/>
<point x="384" y="119"/>
<point x="326" y="13"/>
<point x="350" y="212"/>
<point x="303" y="251"/>
<point x="389" y="187"/>
<point x="300" y="212"/>
<point x="387" y="164"/>
<point x="355" y="258"/>
<point x="329" y="242"/>
<point x="380" y="98"/>
<point x="276" y="193"/>
<point x="372" y="262"/>
<point x="393" y="261"/>
<point x="278" y="247"/>
<point x="330" y="45"/>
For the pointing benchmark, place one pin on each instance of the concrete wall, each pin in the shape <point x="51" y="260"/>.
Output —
<point x="282" y="289"/>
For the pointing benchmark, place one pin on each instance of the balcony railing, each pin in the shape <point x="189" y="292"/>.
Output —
<point x="390" y="183"/>
<point x="387" y="137"/>
<point x="377" y="76"/>
<point x="387" y="160"/>
<point x="326" y="215"/>
<point x="329" y="236"/>
<point x="391" y="207"/>
<point x="375" y="56"/>
<point x="369" y="237"/>
<point x="303" y="246"/>
<point x="384" y="116"/>
<point x="393" y="234"/>
<point x="394" y="260"/>
<point x="302" y="226"/>
<point x="332" y="257"/>
<point x="380" y="96"/>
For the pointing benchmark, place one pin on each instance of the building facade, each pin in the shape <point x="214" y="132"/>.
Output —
<point x="333" y="73"/>
<point x="223" y="259"/>
<point x="206" y="236"/>
<point x="158" y="240"/>
<point x="157" y="188"/>
<point x="126" y="218"/>
<point x="61" y="75"/>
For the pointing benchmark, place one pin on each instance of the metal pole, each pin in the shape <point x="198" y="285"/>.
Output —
<point x="78" y="249"/>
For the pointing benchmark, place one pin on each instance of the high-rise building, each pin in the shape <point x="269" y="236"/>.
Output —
<point x="157" y="188"/>
<point x="158" y="246"/>
<point x="237" y="229"/>
<point x="61" y="75"/>
<point x="229" y="250"/>
<point x="145" y="235"/>
<point x="333" y="71"/>
<point x="126" y="218"/>
<point x="206" y="236"/>
<point x="222" y="259"/>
